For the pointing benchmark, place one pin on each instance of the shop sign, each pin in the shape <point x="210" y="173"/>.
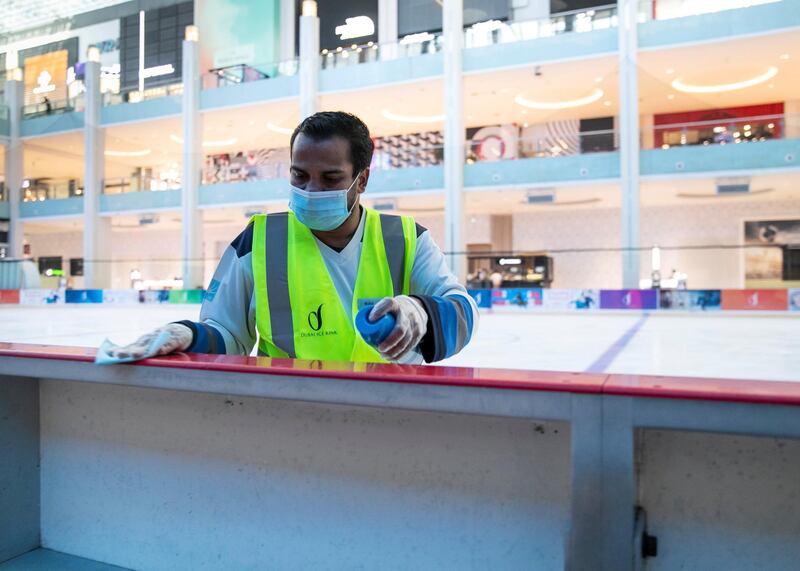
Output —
<point x="357" y="27"/>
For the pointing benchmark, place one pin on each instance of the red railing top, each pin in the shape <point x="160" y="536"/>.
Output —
<point x="728" y="390"/>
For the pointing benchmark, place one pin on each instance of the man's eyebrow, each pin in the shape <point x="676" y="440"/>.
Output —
<point x="333" y="171"/>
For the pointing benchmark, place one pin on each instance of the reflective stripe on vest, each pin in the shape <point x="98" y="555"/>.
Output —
<point x="298" y="311"/>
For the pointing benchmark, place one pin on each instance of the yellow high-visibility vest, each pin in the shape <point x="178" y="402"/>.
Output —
<point x="298" y="312"/>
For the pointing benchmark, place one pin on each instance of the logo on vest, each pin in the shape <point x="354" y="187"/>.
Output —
<point x="314" y="319"/>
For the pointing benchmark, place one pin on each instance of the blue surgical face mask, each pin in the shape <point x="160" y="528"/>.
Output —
<point x="322" y="210"/>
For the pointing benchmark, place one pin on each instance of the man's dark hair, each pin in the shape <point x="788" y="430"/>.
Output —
<point x="327" y="124"/>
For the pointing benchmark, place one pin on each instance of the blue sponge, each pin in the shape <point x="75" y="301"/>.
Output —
<point x="374" y="332"/>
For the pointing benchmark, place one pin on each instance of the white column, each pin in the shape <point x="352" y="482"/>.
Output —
<point x="387" y="21"/>
<point x="453" y="28"/>
<point x="629" y="140"/>
<point x="96" y="229"/>
<point x="791" y="123"/>
<point x="288" y="23"/>
<point x="309" y="59"/>
<point x="14" y="162"/>
<point x="192" y="216"/>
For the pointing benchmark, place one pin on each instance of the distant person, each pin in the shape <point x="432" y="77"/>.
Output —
<point x="293" y="280"/>
<point x="48" y="107"/>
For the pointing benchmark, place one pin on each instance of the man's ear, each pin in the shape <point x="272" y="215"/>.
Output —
<point x="363" y="179"/>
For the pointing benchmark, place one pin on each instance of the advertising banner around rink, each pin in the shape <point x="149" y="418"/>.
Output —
<point x="517" y="299"/>
<point x="121" y="296"/>
<point x="482" y="297"/>
<point x="794" y="299"/>
<point x="186" y="296"/>
<point x="628" y="299"/>
<point x="41" y="296"/>
<point x="566" y="299"/>
<point x="84" y="296"/>
<point x="154" y="296"/>
<point x="755" y="299"/>
<point x="9" y="296"/>
<point x="691" y="300"/>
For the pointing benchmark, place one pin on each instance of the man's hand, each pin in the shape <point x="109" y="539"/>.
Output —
<point x="174" y="337"/>
<point x="410" y="325"/>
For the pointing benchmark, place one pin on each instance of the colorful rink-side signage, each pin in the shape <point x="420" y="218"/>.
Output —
<point x="628" y="299"/>
<point x="482" y="297"/>
<point x="691" y="300"/>
<point x="121" y="296"/>
<point x="755" y="299"/>
<point x="154" y="296"/>
<point x="9" y="296"/>
<point x="186" y="295"/>
<point x="570" y="299"/>
<point x="794" y="299"/>
<point x="84" y="296"/>
<point x="517" y="299"/>
<point x="508" y="299"/>
<point x="41" y="296"/>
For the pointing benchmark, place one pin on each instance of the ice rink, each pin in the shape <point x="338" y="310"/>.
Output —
<point x="762" y="347"/>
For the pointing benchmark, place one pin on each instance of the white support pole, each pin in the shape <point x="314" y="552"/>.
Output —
<point x="14" y="163"/>
<point x="288" y="23"/>
<point x="309" y="59"/>
<point x="96" y="229"/>
<point x="629" y="141"/>
<point x="192" y="216"/>
<point x="387" y="22"/>
<point x="453" y="20"/>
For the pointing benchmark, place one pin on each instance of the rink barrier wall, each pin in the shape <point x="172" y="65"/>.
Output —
<point x="507" y="299"/>
<point x="470" y="468"/>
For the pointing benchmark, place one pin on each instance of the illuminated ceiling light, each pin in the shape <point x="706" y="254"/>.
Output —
<point x="309" y="8"/>
<point x="142" y="153"/>
<point x="670" y="71"/>
<point x="417" y="38"/>
<point x="412" y="118"/>
<point x="607" y="103"/>
<point x="282" y="130"/>
<point x="192" y="34"/>
<point x="596" y="94"/>
<point x="221" y="143"/>
<point x="747" y="127"/>
<point x="771" y="72"/>
<point x="671" y="96"/>
<point x="487" y="26"/>
<point x="93" y="54"/>
<point x="784" y="56"/>
<point x="356" y="27"/>
<point x="598" y="79"/>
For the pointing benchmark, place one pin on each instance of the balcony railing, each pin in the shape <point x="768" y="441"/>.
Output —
<point x="497" y="32"/>
<point x="50" y="189"/>
<point x="414" y="45"/>
<point x="53" y="106"/>
<point x="723" y="131"/>
<point x="246" y="73"/>
<point x="158" y="92"/>
<point x="122" y="185"/>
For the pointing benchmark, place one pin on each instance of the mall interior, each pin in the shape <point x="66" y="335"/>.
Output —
<point x="549" y="132"/>
<point x="616" y="183"/>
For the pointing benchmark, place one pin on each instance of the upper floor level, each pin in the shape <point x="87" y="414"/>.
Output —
<point x="141" y="79"/>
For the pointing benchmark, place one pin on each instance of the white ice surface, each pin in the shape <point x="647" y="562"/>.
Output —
<point x="728" y="346"/>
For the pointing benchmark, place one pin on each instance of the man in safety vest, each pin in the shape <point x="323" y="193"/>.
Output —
<point x="294" y="280"/>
